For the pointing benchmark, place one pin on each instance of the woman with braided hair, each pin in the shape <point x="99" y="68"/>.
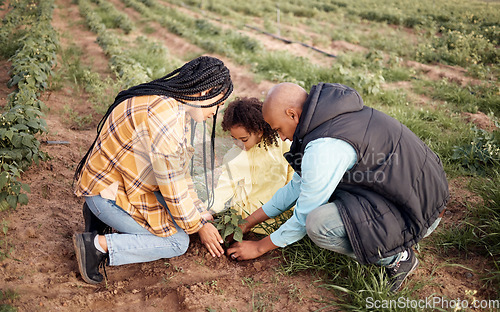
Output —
<point x="135" y="176"/>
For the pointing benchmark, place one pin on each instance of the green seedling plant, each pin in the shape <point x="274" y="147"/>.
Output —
<point x="228" y="222"/>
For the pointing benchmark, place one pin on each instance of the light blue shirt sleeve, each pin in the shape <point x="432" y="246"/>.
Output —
<point x="324" y="163"/>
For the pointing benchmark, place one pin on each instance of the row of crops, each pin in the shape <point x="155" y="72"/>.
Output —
<point x="28" y="39"/>
<point x="468" y="33"/>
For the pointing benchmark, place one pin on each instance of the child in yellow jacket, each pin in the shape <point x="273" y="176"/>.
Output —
<point x="254" y="169"/>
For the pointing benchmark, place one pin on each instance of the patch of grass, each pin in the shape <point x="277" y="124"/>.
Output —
<point x="282" y="66"/>
<point x="148" y="29"/>
<point x="5" y="246"/>
<point x="70" y="69"/>
<point x="77" y="120"/>
<point x="7" y="297"/>
<point x="472" y="98"/>
<point x="354" y="284"/>
<point x="487" y="220"/>
<point x="480" y="155"/>
<point x="455" y="237"/>
<point x="82" y="78"/>
<point x="113" y="18"/>
<point x="397" y="73"/>
<point x="153" y="57"/>
<point x="294" y="293"/>
<point x="369" y="290"/>
<point x="260" y="301"/>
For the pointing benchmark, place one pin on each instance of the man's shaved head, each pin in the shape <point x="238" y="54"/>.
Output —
<point x="285" y="95"/>
<point x="282" y="108"/>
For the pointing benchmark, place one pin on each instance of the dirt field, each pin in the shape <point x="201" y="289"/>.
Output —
<point x="42" y="268"/>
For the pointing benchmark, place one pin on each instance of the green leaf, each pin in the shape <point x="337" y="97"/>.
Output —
<point x="4" y="177"/>
<point x="16" y="188"/>
<point x="238" y="234"/>
<point x="234" y="219"/>
<point x="28" y="141"/>
<point x="4" y="205"/>
<point x="228" y="231"/>
<point x="16" y="140"/>
<point x="13" y="81"/>
<point x="9" y="134"/>
<point x="22" y="199"/>
<point x="26" y="187"/>
<point x="33" y="124"/>
<point x="12" y="200"/>
<point x="20" y="127"/>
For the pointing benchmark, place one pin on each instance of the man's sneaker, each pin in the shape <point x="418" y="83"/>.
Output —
<point x="93" y="223"/>
<point x="88" y="257"/>
<point x="402" y="270"/>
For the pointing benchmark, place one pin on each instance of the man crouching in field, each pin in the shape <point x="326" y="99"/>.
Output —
<point x="364" y="184"/>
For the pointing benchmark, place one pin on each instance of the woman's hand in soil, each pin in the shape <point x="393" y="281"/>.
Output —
<point x="211" y="238"/>
<point x="246" y="250"/>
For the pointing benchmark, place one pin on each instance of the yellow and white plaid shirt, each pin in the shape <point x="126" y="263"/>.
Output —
<point x="143" y="147"/>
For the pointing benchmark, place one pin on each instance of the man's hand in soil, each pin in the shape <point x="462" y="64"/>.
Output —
<point x="211" y="238"/>
<point x="246" y="250"/>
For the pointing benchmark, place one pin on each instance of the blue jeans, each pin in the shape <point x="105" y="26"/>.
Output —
<point x="133" y="243"/>
<point x="325" y="228"/>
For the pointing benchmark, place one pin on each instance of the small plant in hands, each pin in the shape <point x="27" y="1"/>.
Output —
<point x="227" y="222"/>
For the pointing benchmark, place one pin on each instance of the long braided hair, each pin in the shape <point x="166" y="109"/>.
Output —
<point x="204" y="73"/>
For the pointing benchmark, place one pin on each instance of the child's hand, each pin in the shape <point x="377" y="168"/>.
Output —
<point x="244" y="227"/>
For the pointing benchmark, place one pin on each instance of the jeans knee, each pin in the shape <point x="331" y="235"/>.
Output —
<point x="313" y="224"/>
<point x="183" y="242"/>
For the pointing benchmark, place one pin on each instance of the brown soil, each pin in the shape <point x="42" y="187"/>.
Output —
<point x="42" y="268"/>
<point x="481" y="120"/>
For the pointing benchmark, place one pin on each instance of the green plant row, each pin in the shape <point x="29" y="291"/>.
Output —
<point x="125" y="67"/>
<point x="20" y="13"/>
<point x="20" y="123"/>
<point x="145" y="61"/>
<point x="464" y="34"/>
<point x="199" y="31"/>
<point x="131" y="62"/>
<point x="275" y="66"/>
<point x="116" y="18"/>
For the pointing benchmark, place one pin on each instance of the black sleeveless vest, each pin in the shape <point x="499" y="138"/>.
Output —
<point x="396" y="189"/>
